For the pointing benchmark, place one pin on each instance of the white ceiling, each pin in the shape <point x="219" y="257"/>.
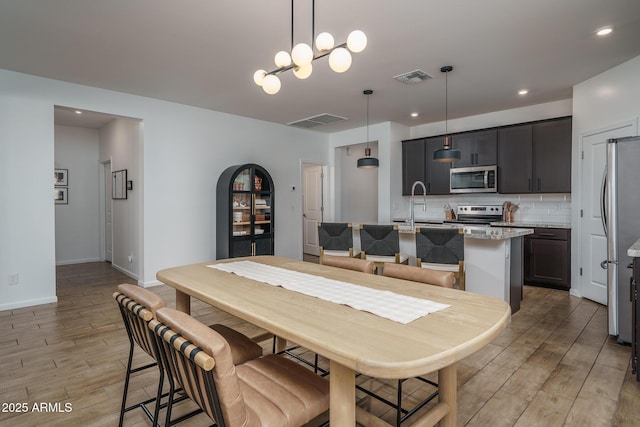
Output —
<point x="204" y="52"/>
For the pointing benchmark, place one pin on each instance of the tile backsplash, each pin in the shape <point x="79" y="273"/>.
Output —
<point x="538" y="208"/>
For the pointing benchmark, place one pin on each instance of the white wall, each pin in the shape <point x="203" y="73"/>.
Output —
<point x="77" y="223"/>
<point x="358" y="187"/>
<point x="120" y="143"/>
<point x="27" y="222"/>
<point x="389" y="136"/>
<point x="185" y="149"/>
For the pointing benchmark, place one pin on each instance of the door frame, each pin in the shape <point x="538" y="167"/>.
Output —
<point x="103" y="207"/>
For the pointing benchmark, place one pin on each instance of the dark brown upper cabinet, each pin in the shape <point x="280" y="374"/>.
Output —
<point x="476" y="148"/>
<point x="552" y="156"/>
<point x="535" y="158"/>
<point x="418" y="165"/>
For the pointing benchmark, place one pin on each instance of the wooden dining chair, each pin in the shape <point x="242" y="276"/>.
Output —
<point x="267" y="391"/>
<point x="441" y="249"/>
<point x="336" y="239"/>
<point x="380" y="244"/>
<point x="138" y="306"/>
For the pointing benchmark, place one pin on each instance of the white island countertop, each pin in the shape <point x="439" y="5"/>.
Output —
<point x="634" y="250"/>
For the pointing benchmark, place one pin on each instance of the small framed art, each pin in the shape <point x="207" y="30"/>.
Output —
<point x="61" y="177"/>
<point x="61" y="195"/>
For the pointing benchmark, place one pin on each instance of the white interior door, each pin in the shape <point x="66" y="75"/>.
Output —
<point x="108" y="225"/>
<point x="594" y="242"/>
<point x="312" y="184"/>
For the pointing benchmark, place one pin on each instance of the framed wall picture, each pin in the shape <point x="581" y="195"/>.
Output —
<point x="61" y="195"/>
<point x="119" y="184"/>
<point x="61" y="177"/>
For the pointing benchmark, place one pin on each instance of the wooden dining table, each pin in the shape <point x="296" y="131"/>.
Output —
<point x="353" y="340"/>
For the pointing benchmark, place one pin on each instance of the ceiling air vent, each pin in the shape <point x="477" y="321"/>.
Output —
<point x="319" y="120"/>
<point x="415" y="76"/>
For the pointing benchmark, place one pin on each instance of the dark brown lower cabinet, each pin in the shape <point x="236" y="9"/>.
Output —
<point x="547" y="258"/>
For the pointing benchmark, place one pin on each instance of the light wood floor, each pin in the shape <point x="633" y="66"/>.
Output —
<point x="554" y="365"/>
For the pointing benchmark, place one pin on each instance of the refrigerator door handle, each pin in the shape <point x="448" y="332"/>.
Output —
<point x="603" y="198"/>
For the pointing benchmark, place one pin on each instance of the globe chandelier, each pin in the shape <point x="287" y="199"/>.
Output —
<point x="302" y="55"/>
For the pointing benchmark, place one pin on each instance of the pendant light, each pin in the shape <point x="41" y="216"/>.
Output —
<point x="446" y="154"/>
<point x="367" y="161"/>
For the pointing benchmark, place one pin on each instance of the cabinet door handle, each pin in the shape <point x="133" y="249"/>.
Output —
<point x="538" y="184"/>
<point x="471" y="158"/>
<point x="476" y="158"/>
<point x="547" y="234"/>
<point x="529" y="184"/>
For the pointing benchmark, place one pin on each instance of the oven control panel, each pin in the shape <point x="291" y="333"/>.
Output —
<point x="480" y="210"/>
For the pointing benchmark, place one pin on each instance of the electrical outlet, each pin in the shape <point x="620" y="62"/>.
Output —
<point x="13" y="279"/>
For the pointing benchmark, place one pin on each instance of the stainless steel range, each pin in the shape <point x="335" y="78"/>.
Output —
<point x="478" y="214"/>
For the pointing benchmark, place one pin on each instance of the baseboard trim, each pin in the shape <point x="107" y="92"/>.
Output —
<point x="28" y="303"/>
<point x="78" y="261"/>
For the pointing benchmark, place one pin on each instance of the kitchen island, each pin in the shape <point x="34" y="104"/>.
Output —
<point x="492" y="258"/>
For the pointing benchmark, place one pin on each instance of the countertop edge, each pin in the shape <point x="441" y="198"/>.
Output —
<point x="634" y="250"/>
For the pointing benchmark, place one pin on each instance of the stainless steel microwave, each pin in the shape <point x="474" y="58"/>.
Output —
<point x="477" y="179"/>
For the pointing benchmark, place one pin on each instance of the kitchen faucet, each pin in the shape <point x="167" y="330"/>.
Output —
<point x="413" y="202"/>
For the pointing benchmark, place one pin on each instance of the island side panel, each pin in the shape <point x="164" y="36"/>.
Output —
<point x="487" y="265"/>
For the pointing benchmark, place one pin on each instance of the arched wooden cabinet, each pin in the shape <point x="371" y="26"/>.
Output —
<point x="245" y="212"/>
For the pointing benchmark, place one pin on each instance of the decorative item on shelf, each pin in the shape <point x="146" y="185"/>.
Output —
<point x="237" y="216"/>
<point x="367" y="161"/>
<point x="446" y="154"/>
<point x="302" y="55"/>
<point x="257" y="183"/>
<point x="260" y="217"/>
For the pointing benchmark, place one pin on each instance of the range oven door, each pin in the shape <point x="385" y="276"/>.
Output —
<point x="480" y="179"/>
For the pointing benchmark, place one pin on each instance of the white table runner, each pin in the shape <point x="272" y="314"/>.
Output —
<point x="387" y="304"/>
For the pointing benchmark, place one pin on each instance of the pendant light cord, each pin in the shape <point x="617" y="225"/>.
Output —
<point x="446" y="103"/>
<point x="367" y="120"/>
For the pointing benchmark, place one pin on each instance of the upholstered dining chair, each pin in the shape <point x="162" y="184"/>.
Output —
<point x="380" y="244"/>
<point x="355" y="264"/>
<point x="270" y="390"/>
<point x="445" y="279"/>
<point x="441" y="248"/>
<point x="336" y="239"/>
<point x="138" y="306"/>
<point x="428" y="276"/>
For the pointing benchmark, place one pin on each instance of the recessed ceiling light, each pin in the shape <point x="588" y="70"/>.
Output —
<point x="414" y="114"/>
<point x="523" y="92"/>
<point x="78" y="112"/>
<point x="604" y="31"/>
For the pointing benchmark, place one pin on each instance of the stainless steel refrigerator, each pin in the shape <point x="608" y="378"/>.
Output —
<point x="621" y="221"/>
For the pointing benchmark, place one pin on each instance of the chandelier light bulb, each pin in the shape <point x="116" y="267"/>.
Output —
<point x="271" y="84"/>
<point x="340" y="60"/>
<point x="258" y="77"/>
<point x="302" y="54"/>
<point x="282" y="59"/>
<point x="357" y="41"/>
<point x="303" y="71"/>
<point x="324" y="42"/>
